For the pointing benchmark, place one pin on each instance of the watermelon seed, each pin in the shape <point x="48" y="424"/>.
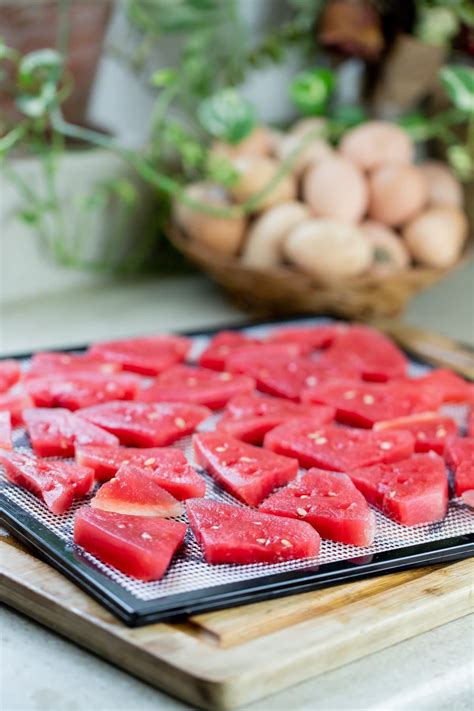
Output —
<point x="110" y="387"/>
<point x="286" y="543"/>
<point x="179" y="422"/>
<point x="331" y="493"/>
<point x="311" y="380"/>
<point x="385" y="445"/>
<point x="421" y="435"/>
<point x="304" y="496"/>
<point x="152" y="416"/>
<point x="246" y="459"/>
<point x="215" y="527"/>
<point x="301" y="512"/>
<point x="350" y="394"/>
<point x="221" y="449"/>
<point x="146" y="536"/>
<point x="440" y="432"/>
<point x="368" y="399"/>
<point x="258" y="523"/>
<point x="120" y="525"/>
<point x="149" y="462"/>
<point x="225" y="376"/>
<point x="314" y="435"/>
<point x="261" y="540"/>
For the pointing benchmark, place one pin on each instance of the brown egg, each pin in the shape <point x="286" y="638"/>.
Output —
<point x="436" y="237"/>
<point x="307" y="155"/>
<point x="309" y="125"/>
<point x="222" y="234"/>
<point x="328" y="250"/>
<point x="262" y="247"/>
<point x="257" y="143"/>
<point x="390" y="254"/>
<point x="443" y="188"/>
<point x="254" y="176"/>
<point x="336" y="188"/>
<point x="397" y="193"/>
<point x="377" y="142"/>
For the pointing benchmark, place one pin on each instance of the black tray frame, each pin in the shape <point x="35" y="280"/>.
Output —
<point x="135" y="612"/>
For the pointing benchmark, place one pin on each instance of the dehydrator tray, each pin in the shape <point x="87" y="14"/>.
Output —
<point x="191" y="585"/>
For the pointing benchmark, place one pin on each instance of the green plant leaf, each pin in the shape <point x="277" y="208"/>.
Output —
<point x="227" y="115"/>
<point x="419" y="127"/>
<point x="310" y="90"/>
<point x="36" y="105"/>
<point x="40" y="66"/>
<point x="461" y="161"/>
<point x="349" y="116"/>
<point x="458" y="82"/>
<point x="163" y="77"/>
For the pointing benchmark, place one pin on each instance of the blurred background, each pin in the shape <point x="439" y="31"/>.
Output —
<point x="306" y="156"/>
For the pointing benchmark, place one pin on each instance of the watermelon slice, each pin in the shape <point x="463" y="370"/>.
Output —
<point x="231" y="534"/>
<point x="458" y="449"/>
<point x="56" y="432"/>
<point x="470" y="424"/>
<point x="10" y="372"/>
<point x="54" y="363"/>
<point x="328" y="501"/>
<point x="143" y="424"/>
<point x="148" y="356"/>
<point x="363" y="404"/>
<point x="76" y="390"/>
<point x="280" y="375"/>
<point x="411" y="492"/>
<point x="56" y="483"/>
<point x="250" y="417"/>
<point x="139" y="546"/>
<point x="133" y="491"/>
<point x="223" y="343"/>
<point x="449" y="386"/>
<point x="314" y="337"/>
<point x="167" y="466"/>
<point x="370" y="353"/>
<point x="337" y="448"/>
<point x="464" y="477"/>
<point x="197" y="385"/>
<point x="15" y="403"/>
<point x="428" y="428"/>
<point x="247" y="472"/>
<point x="5" y="430"/>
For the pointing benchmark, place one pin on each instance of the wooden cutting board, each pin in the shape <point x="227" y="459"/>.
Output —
<point x="221" y="660"/>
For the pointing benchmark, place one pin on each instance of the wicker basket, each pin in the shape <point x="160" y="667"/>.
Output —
<point x="286" y="291"/>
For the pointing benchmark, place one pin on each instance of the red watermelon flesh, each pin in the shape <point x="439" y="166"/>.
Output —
<point x="250" y="417"/>
<point x="223" y="343"/>
<point x="143" y="424"/>
<point x="458" y="449"/>
<point x="15" y="403"/>
<point x="249" y="473"/>
<point x="53" y="363"/>
<point x="314" y="337"/>
<point x="133" y="491"/>
<point x="57" y="432"/>
<point x="9" y="373"/>
<point x="232" y="534"/>
<point x="468" y="498"/>
<point x="363" y="404"/>
<point x="280" y="375"/>
<point x="76" y="390"/>
<point x="411" y="492"/>
<point x="337" y="448"/>
<point x="167" y="466"/>
<point x="470" y="424"/>
<point x="464" y="477"/>
<point x="371" y="354"/>
<point x="5" y="430"/>
<point x="428" y="428"/>
<point x="148" y="356"/>
<point x="197" y="385"/>
<point x="449" y="386"/>
<point x="56" y="483"/>
<point x="328" y="501"/>
<point x="139" y="546"/>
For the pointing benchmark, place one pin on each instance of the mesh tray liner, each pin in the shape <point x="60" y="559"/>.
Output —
<point x="190" y="573"/>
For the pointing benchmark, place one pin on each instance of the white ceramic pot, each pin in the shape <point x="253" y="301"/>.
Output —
<point x="89" y="227"/>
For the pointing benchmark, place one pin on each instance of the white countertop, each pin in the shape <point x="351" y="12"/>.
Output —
<point x="42" y="672"/>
